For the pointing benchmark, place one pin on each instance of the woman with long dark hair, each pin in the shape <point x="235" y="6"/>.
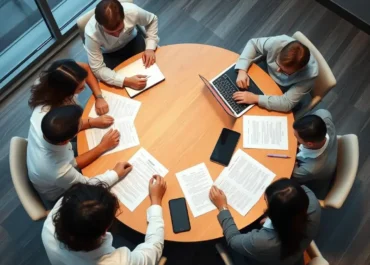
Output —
<point x="60" y="84"/>
<point x="293" y="219"/>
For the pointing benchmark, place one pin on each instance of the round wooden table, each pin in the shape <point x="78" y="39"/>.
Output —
<point x="179" y="123"/>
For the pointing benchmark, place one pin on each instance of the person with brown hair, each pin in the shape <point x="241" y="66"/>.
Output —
<point x="289" y="63"/>
<point x="111" y="37"/>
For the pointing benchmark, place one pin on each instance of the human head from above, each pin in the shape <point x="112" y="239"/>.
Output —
<point x="310" y="131"/>
<point x="58" y="84"/>
<point x="62" y="124"/>
<point x="109" y="14"/>
<point x="85" y="215"/>
<point x="293" y="57"/>
<point x="287" y="205"/>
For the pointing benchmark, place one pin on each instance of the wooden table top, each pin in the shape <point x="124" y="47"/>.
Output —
<point x="179" y="123"/>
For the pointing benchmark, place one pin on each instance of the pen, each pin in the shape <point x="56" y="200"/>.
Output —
<point x="278" y="156"/>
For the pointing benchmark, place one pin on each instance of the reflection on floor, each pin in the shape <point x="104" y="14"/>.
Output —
<point x="344" y="233"/>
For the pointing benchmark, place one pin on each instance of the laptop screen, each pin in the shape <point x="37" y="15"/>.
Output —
<point x="216" y="95"/>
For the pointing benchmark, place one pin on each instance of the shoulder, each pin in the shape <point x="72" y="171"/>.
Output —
<point x="92" y="30"/>
<point x="119" y="256"/>
<point x="261" y="241"/>
<point x="323" y="114"/>
<point x="130" y="9"/>
<point x="314" y="208"/>
<point x="280" y="40"/>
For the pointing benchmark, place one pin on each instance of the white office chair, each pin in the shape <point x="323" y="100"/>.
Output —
<point x="347" y="165"/>
<point x="313" y="252"/>
<point x="83" y="19"/>
<point x="315" y="255"/>
<point x="18" y="170"/>
<point x="324" y="81"/>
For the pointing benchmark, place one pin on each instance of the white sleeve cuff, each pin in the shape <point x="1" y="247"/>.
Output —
<point x="154" y="211"/>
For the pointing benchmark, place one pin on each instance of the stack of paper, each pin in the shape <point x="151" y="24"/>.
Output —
<point x="196" y="183"/>
<point x="137" y="68"/>
<point x="124" y="111"/>
<point x="244" y="181"/>
<point x="133" y="189"/>
<point x="265" y="132"/>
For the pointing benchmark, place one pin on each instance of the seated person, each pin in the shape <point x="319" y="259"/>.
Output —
<point x="52" y="167"/>
<point x="293" y="221"/>
<point x="76" y="230"/>
<point x="60" y="84"/>
<point x="317" y="155"/>
<point x="111" y="38"/>
<point x="289" y="63"/>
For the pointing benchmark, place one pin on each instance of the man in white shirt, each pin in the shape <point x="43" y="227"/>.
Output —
<point x="111" y="37"/>
<point x="317" y="155"/>
<point x="76" y="230"/>
<point x="52" y="167"/>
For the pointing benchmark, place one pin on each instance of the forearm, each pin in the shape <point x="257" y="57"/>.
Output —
<point x="91" y="80"/>
<point x="277" y="103"/>
<point x="152" y="34"/>
<point x="86" y="123"/>
<point x="89" y="157"/>
<point x="228" y="225"/>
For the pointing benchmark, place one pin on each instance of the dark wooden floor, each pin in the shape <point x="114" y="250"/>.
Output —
<point x="344" y="235"/>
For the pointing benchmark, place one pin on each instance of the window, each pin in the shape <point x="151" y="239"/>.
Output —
<point x="28" y="27"/>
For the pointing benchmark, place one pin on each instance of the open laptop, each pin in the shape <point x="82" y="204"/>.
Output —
<point x="224" y="86"/>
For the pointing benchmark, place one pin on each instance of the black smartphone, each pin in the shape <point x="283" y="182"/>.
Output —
<point x="179" y="215"/>
<point x="225" y="147"/>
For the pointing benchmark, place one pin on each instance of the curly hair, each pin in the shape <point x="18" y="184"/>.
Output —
<point x="85" y="214"/>
<point x="57" y="84"/>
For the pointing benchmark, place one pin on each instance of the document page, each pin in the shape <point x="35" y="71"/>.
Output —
<point x="244" y="181"/>
<point x="138" y="68"/>
<point x="119" y="106"/>
<point x="133" y="189"/>
<point x="265" y="132"/>
<point x="128" y="135"/>
<point x="196" y="183"/>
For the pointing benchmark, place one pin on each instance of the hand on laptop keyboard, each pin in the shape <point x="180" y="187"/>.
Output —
<point x="242" y="80"/>
<point x="245" y="97"/>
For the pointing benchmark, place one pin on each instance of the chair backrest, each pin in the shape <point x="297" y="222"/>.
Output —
<point x="315" y="255"/>
<point x="318" y="261"/>
<point x="18" y="170"/>
<point x="83" y="19"/>
<point x="325" y="80"/>
<point x="347" y="165"/>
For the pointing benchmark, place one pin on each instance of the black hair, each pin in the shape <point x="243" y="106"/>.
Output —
<point x="57" y="84"/>
<point x="287" y="209"/>
<point x="311" y="128"/>
<point x="62" y="123"/>
<point x="109" y="14"/>
<point x="85" y="214"/>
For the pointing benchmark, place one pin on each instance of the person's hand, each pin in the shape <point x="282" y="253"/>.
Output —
<point x="148" y="58"/>
<point x="110" y="140"/>
<point x="157" y="188"/>
<point x="137" y="82"/>
<point x="101" y="106"/>
<point x="245" y="97"/>
<point x="122" y="169"/>
<point x="218" y="198"/>
<point x="242" y="80"/>
<point x="102" y="122"/>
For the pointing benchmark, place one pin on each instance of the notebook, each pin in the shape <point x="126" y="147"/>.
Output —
<point x="138" y="68"/>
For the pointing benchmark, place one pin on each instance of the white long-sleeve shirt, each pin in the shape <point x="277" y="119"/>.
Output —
<point x="98" y="41"/>
<point x="301" y="82"/>
<point x="52" y="168"/>
<point x="147" y="253"/>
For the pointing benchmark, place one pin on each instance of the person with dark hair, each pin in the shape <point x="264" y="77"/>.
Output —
<point x="293" y="220"/>
<point x="52" y="166"/>
<point x="76" y="230"/>
<point x="111" y="37"/>
<point x="317" y="156"/>
<point x="59" y="84"/>
<point x="289" y="63"/>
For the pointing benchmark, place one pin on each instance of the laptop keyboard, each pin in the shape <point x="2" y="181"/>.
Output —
<point x="227" y="89"/>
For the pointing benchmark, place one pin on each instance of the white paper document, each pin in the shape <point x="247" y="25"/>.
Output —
<point x="265" y="132"/>
<point x="119" y="106"/>
<point x="196" y="182"/>
<point x="138" y="68"/>
<point x="133" y="189"/>
<point x="128" y="135"/>
<point x="244" y="181"/>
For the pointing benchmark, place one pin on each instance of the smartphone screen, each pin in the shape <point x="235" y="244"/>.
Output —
<point x="225" y="146"/>
<point x="179" y="215"/>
